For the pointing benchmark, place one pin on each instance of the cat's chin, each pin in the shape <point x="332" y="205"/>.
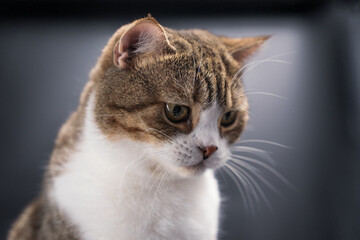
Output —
<point x="194" y="170"/>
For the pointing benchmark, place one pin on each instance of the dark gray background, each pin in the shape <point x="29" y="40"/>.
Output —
<point x="311" y="104"/>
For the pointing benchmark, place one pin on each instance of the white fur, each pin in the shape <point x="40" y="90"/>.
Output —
<point x="108" y="193"/>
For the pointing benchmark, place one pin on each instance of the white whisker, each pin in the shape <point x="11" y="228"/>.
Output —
<point x="267" y="167"/>
<point x="258" y="62"/>
<point x="264" y="141"/>
<point x="267" y="94"/>
<point x="239" y="184"/>
<point x="248" y="183"/>
<point x="256" y="185"/>
<point x="258" y="152"/>
<point x="258" y="174"/>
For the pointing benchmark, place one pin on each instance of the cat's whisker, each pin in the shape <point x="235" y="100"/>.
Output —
<point x="258" y="174"/>
<point x="152" y="183"/>
<point x="150" y="190"/>
<point x="258" y="152"/>
<point x="249" y="167"/>
<point x="258" y="62"/>
<point x="241" y="147"/>
<point x="267" y="167"/>
<point x="283" y="54"/>
<point x="161" y="183"/>
<point x="265" y="141"/>
<point x="266" y="93"/>
<point x="221" y="173"/>
<point x="257" y="188"/>
<point x="248" y="183"/>
<point x="267" y="59"/>
<point x="238" y="183"/>
<point x="124" y="171"/>
<point x="244" y="109"/>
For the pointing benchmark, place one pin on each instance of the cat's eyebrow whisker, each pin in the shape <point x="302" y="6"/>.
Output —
<point x="244" y="109"/>
<point x="272" y="58"/>
<point x="264" y="141"/>
<point x="269" y="58"/>
<point x="256" y="63"/>
<point x="266" y="93"/>
<point x="243" y="73"/>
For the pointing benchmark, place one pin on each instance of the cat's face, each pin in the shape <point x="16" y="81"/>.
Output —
<point x="176" y="91"/>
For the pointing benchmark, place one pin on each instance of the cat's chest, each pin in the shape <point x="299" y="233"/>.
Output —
<point x="106" y="202"/>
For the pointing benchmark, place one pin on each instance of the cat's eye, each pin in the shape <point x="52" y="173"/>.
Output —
<point x="176" y="113"/>
<point x="228" y="118"/>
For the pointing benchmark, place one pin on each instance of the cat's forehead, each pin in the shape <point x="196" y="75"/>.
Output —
<point x="194" y="78"/>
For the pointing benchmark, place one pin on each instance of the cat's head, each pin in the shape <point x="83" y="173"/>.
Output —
<point x="177" y="91"/>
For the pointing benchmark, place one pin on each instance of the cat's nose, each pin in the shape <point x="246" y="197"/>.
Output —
<point x="208" y="151"/>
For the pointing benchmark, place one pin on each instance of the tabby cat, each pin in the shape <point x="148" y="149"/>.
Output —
<point x="136" y="160"/>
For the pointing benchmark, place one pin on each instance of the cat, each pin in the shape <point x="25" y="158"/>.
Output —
<point x="136" y="160"/>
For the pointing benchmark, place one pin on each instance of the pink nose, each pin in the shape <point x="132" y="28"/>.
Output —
<point x="208" y="151"/>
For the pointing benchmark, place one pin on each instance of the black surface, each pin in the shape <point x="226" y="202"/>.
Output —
<point x="111" y="8"/>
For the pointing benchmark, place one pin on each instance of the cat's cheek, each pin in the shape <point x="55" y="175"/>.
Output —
<point x="163" y="155"/>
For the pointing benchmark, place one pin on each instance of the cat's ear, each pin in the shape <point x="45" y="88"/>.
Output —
<point x="242" y="48"/>
<point x="143" y="37"/>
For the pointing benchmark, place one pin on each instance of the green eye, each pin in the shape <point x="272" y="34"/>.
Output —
<point x="176" y="113"/>
<point x="228" y="118"/>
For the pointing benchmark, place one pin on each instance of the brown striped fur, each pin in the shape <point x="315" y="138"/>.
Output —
<point x="192" y="68"/>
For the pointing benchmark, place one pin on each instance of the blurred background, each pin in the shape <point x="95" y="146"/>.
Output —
<point x="307" y="99"/>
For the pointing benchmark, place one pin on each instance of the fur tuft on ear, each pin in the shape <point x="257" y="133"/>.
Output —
<point x="242" y="48"/>
<point x="145" y="36"/>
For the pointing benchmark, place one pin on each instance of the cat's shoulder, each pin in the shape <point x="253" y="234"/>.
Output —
<point x="36" y="222"/>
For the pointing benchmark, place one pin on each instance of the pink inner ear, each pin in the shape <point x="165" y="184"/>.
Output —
<point x="143" y="38"/>
<point x="119" y="57"/>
